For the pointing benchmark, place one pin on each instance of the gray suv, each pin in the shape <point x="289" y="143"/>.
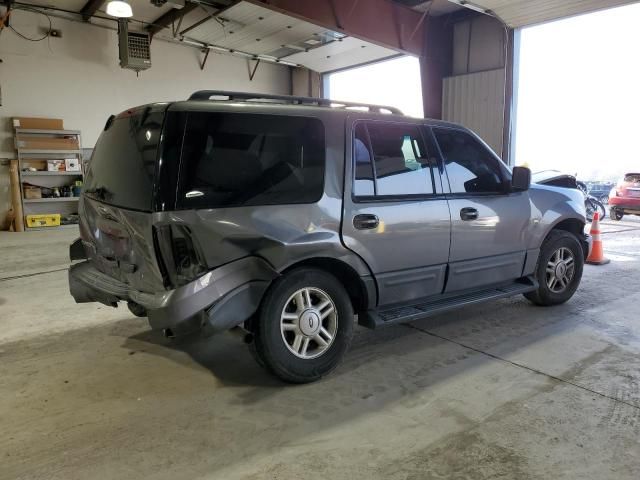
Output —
<point x="290" y="217"/>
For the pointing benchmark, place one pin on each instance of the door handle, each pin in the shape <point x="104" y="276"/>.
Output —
<point x="366" y="221"/>
<point x="468" y="213"/>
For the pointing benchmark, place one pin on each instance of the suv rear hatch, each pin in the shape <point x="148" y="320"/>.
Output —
<point x="116" y="219"/>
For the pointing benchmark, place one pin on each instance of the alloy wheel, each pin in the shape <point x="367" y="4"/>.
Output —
<point x="560" y="270"/>
<point x="309" y="322"/>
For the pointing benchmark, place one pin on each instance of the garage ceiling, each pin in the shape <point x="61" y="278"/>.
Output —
<point x="516" y="13"/>
<point x="255" y="31"/>
<point x="520" y="13"/>
<point x="143" y="10"/>
<point x="249" y="28"/>
<point x="345" y="53"/>
<point x="246" y="29"/>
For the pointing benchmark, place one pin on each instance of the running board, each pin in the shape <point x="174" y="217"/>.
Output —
<point x="415" y="311"/>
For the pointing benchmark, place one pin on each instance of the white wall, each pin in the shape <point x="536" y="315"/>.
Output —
<point x="77" y="78"/>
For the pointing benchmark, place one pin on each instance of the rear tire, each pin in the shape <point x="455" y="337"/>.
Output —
<point x="616" y="214"/>
<point x="559" y="269"/>
<point x="136" y="309"/>
<point x="304" y="326"/>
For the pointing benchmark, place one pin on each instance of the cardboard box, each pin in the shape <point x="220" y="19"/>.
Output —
<point x="47" y="220"/>
<point x="45" y="143"/>
<point x="32" y="192"/>
<point x="39" y="123"/>
<point x="56" y="165"/>
<point x="72" y="164"/>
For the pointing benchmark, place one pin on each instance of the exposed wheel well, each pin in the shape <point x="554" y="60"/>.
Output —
<point x="571" y="225"/>
<point x="349" y="278"/>
<point x="575" y="227"/>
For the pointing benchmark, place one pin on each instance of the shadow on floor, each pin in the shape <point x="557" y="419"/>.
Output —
<point x="483" y="327"/>
<point x="383" y="369"/>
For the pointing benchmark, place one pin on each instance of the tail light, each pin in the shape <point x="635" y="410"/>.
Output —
<point x="179" y="256"/>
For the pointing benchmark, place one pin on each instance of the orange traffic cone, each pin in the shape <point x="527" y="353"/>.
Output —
<point x="597" y="255"/>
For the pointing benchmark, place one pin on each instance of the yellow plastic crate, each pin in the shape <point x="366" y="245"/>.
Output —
<point x="47" y="220"/>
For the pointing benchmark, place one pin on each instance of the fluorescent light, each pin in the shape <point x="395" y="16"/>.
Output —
<point x="119" y="9"/>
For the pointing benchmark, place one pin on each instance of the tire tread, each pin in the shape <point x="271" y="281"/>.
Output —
<point x="270" y="351"/>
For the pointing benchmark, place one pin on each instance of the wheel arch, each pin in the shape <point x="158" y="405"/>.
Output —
<point x="575" y="226"/>
<point x="362" y="291"/>
<point x="571" y="225"/>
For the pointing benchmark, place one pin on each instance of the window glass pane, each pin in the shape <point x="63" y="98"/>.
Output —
<point x="401" y="168"/>
<point x="471" y="168"/>
<point x="123" y="165"/>
<point x="232" y="159"/>
<point x="632" y="177"/>
<point x="363" y="185"/>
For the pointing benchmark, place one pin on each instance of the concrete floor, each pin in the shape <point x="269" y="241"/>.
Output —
<point x="506" y="390"/>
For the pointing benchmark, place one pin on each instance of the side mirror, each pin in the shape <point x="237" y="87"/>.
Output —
<point x="520" y="179"/>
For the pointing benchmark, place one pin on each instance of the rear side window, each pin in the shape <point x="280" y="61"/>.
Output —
<point x="236" y="159"/>
<point x="390" y="159"/>
<point x="632" y="177"/>
<point x="470" y="166"/>
<point x="123" y="165"/>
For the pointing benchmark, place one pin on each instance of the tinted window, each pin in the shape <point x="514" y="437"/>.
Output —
<point x="364" y="180"/>
<point x="395" y="157"/>
<point x="235" y="159"/>
<point x="471" y="168"/>
<point x="632" y="177"/>
<point x="122" y="168"/>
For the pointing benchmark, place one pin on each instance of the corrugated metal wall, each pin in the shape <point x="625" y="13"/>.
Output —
<point x="476" y="100"/>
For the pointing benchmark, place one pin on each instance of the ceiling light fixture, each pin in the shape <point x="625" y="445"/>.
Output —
<point x="119" y="9"/>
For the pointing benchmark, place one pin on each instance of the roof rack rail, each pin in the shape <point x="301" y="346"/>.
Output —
<point x="321" y="102"/>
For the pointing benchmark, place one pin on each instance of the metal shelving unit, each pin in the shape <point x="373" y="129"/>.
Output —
<point x="48" y="153"/>
<point x="51" y="174"/>
<point x="47" y="200"/>
<point x="27" y="156"/>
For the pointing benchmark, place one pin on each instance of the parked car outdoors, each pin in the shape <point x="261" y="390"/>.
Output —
<point x="624" y="198"/>
<point x="288" y="218"/>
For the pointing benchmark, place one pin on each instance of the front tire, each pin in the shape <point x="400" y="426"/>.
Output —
<point x="559" y="269"/>
<point x="304" y="326"/>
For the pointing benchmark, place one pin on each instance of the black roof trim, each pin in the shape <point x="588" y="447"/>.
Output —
<point x="313" y="101"/>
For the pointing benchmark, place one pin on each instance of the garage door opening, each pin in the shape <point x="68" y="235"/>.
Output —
<point x="578" y="95"/>
<point x="394" y="82"/>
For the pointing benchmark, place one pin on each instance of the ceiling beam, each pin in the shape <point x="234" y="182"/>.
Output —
<point x="176" y="14"/>
<point x="90" y="8"/>
<point x="168" y="18"/>
<point x="382" y="22"/>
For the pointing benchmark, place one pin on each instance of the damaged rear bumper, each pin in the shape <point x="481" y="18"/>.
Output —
<point x="218" y="300"/>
